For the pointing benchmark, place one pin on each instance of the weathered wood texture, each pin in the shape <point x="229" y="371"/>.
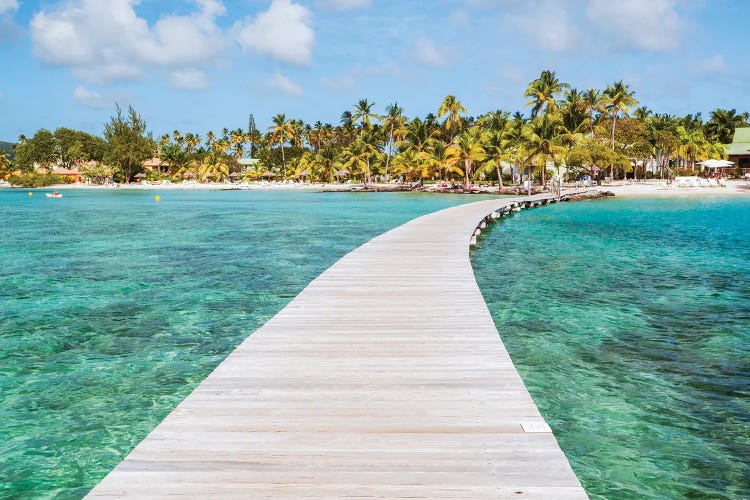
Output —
<point x="384" y="378"/>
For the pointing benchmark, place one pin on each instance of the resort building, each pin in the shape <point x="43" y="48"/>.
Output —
<point x="72" y="174"/>
<point x="739" y="151"/>
<point x="155" y="165"/>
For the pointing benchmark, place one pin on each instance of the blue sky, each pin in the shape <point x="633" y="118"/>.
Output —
<point x="206" y="64"/>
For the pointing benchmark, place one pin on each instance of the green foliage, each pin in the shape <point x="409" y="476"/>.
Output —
<point x="98" y="173"/>
<point x="40" y="150"/>
<point x="34" y="180"/>
<point x="74" y="146"/>
<point x="127" y="143"/>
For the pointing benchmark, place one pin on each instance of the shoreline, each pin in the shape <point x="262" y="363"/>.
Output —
<point x="651" y="188"/>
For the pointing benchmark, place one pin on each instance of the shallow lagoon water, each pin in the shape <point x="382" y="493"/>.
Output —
<point x="629" y="321"/>
<point x="113" y="307"/>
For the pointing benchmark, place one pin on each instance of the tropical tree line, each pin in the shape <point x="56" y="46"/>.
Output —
<point x="599" y="132"/>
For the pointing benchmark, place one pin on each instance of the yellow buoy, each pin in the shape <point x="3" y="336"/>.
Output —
<point x="31" y="194"/>
<point x="157" y="197"/>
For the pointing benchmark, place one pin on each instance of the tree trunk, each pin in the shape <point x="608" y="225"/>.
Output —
<point x="612" y="167"/>
<point x="467" y="165"/>
<point x="499" y="174"/>
<point x="529" y="180"/>
<point x="283" y="160"/>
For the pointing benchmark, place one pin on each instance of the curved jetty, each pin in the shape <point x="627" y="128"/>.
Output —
<point x="384" y="378"/>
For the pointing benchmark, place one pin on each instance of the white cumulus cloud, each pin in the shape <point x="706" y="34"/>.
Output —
<point x="639" y="24"/>
<point x="344" y="4"/>
<point x="8" y="5"/>
<point x="426" y="52"/>
<point x="285" y="85"/>
<point x="88" y="97"/>
<point x="712" y="65"/>
<point x="284" y="32"/>
<point x="189" y="79"/>
<point x="108" y="41"/>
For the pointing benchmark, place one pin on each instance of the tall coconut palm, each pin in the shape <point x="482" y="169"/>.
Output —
<point x="210" y="139"/>
<point x="595" y="105"/>
<point x="325" y="164"/>
<point x="213" y="166"/>
<point x="408" y="163"/>
<point x="453" y="108"/>
<point x="356" y="159"/>
<point x="470" y="150"/>
<point x="394" y="125"/>
<point x="282" y="130"/>
<point x="543" y="93"/>
<point x="237" y="139"/>
<point x="722" y="124"/>
<point x="497" y="151"/>
<point x="574" y="111"/>
<point x="364" y="114"/>
<point x="541" y="142"/>
<point x="440" y="159"/>
<point x="618" y="99"/>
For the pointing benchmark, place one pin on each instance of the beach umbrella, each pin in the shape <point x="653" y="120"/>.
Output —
<point x="233" y="174"/>
<point x="716" y="163"/>
<point x="341" y="173"/>
<point x="140" y="176"/>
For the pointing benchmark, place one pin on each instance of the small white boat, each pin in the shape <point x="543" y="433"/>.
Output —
<point x="53" y="195"/>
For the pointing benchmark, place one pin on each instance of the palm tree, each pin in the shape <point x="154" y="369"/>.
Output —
<point x="408" y="163"/>
<point x="177" y="137"/>
<point x="541" y="142"/>
<point x="237" y="138"/>
<point x="438" y="159"/>
<point x="453" y="108"/>
<point x="595" y="105"/>
<point x="363" y="113"/>
<point x="574" y="111"/>
<point x="722" y="124"/>
<point x="357" y="158"/>
<point x="281" y="131"/>
<point x="394" y="125"/>
<point x="210" y="139"/>
<point x="496" y="149"/>
<point x="543" y="93"/>
<point x="214" y="165"/>
<point x="470" y="150"/>
<point x="619" y="99"/>
<point x="325" y="164"/>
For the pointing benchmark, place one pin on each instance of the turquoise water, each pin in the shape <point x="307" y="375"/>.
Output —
<point x="629" y="321"/>
<point x="113" y="307"/>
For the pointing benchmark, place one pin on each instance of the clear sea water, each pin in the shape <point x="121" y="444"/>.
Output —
<point x="113" y="307"/>
<point x="629" y="321"/>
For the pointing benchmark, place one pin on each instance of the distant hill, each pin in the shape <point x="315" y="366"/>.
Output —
<point x="5" y="146"/>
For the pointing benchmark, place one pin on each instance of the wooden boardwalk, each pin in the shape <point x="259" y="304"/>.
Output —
<point x="384" y="378"/>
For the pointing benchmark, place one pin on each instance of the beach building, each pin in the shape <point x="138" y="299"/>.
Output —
<point x="247" y="163"/>
<point x="71" y="174"/>
<point x="739" y="150"/>
<point x="155" y="164"/>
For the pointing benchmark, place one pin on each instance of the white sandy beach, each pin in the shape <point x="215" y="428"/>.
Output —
<point x="652" y="188"/>
<point x="656" y="189"/>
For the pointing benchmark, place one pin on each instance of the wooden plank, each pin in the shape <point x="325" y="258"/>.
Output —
<point x="384" y="378"/>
